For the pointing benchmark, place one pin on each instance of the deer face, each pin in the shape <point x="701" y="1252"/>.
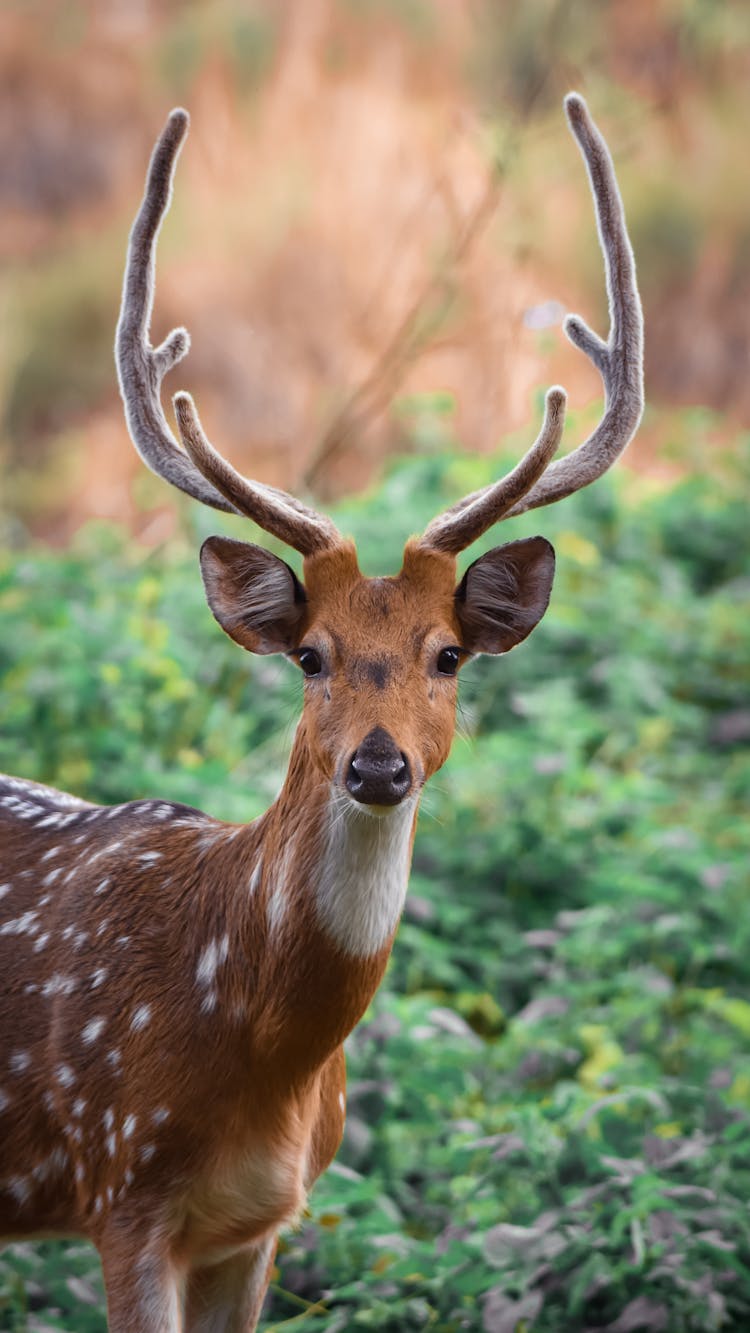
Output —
<point x="380" y="656"/>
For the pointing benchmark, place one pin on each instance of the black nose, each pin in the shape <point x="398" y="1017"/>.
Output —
<point x="379" y="773"/>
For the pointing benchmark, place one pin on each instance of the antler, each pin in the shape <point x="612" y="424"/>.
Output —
<point x="534" y="482"/>
<point x="197" y="469"/>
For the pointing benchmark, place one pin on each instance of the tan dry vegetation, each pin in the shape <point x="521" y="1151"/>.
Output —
<point x="339" y="152"/>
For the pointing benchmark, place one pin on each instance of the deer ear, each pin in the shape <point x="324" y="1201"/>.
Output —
<point x="504" y="594"/>
<point x="256" y="598"/>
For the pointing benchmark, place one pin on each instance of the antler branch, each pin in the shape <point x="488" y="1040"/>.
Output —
<point x="619" y="361"/>
<point x="275" y="510"/>
<point x="197" y="469"/>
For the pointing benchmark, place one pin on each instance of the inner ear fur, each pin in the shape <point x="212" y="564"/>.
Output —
<point x="256" y="598"/>
<point x="504" y="594"/>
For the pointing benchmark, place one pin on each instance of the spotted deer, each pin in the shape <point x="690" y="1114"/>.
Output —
<point x="174" y="990"/>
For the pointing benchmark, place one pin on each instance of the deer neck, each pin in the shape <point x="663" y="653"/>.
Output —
<point x="334" y="880"/>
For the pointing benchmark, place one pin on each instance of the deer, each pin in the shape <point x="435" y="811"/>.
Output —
<point x="175" y="990"/>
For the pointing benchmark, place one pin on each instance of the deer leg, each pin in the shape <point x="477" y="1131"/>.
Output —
<point x="227" y="1297"/>
<point x="144" y="1293"/>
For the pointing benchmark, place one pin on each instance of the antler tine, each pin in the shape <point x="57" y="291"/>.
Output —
<point x="198" y="469"/>
<point x="276" y="511"/>
<point x="619" y="362"/>
<point x="140" y="367"/>
<point x="460" y="525"/>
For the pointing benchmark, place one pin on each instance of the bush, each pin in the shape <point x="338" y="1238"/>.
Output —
<point x="549" y="1114"/>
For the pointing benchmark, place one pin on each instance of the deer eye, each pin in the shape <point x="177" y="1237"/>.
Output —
<point x="310" y="661"/>
<point x="448" y="660"/>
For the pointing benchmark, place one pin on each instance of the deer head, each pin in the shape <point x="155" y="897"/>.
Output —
<point x="380" y="656"/>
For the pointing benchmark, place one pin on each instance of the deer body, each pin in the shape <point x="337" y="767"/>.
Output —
<point x="175" y="991"/>
<point x="184" y="1000"/>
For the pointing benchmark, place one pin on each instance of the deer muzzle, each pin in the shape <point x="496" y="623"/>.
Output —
<point x="378" y="773"/>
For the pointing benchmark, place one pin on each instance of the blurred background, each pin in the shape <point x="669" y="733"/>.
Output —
<point x="378" y="198"/>
<point x="379" y="221"/>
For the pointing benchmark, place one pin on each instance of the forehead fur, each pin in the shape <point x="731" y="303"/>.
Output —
<point x="425" y="586"/>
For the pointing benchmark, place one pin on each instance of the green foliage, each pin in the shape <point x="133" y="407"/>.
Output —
<point x="549" y="1102"/>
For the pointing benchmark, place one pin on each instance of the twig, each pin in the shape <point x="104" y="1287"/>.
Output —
<point x="417" y="328"/>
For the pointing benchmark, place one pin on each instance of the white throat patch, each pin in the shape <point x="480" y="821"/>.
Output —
<point x="364" y="874"/>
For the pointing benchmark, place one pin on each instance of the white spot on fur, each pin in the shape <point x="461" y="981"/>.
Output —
<point x="50" y="1166"/>
<point x="147" y="1152"/>
<point x="161" y="1114"/>
<point x="52" y="852"/>
<point x="275" y="908"/>
<point x="98" y="976"/>
<point x="128" y="1126"/>
<point x="342" y="1103"/>
<point x="19" y="1062"/>
<point x="64" y="1075"/>
<point x="42" y="792"/>
<point x="211" y="958"/>
<point x="108" y="1119"/>
<point x="102" y="887"/>
<point x="93" y="1030"/>
<point x="141" y="1017"/>
<point x="150" y="856"/>
<point x="79" y="1106"/>
<point x="41" y="943"/>
<point x="363" y="874"/>
<point x="276" y="902"/>
<point x="4" y="888"/>
<point x="21" y="925"/>
<point x="111" y="1144"/>
<point x="256" y="876"/>
<point x="54" y="821"/>
<point x="114" y="1058"/>
<point x="51" y="876"/>
<point x="208" y="1003"/>
<point x="19" y="1187"/>
<point x="59" y="985"/>
<point x="22" y="809"/>
<point x="4" y="1100"/>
